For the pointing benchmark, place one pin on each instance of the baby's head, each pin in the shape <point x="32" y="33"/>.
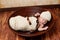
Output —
<point x="45" y="17"/>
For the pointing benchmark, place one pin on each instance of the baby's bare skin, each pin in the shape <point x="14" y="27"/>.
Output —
<point x="42" y="22"/>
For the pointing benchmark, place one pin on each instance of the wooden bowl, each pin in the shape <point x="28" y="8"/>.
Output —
<point x="29" y="11"/>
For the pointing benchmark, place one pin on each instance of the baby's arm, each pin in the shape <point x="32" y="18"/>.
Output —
<point x="41" y="28"/>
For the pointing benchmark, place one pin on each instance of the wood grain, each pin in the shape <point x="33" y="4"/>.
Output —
<point x="21" y="3"/>
<point x="7" y="34"/>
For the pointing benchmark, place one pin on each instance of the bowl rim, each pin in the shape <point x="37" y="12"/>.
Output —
<point x="29" y="35"/>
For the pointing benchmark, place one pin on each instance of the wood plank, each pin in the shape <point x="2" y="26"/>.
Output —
<point x="7" y="34"/>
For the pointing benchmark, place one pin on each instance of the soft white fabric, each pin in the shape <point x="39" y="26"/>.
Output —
<point x="21" y="23"/>
<point x="46" y="15"/>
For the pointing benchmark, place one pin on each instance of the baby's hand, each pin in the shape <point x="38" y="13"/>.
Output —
<point x="37" y="14"/>
<point x="41" y="29"/>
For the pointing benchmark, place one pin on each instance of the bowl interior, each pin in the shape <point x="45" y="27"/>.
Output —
<point x="29" y="11"/>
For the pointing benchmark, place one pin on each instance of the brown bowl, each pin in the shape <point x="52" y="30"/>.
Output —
<point x="29" y="11"/>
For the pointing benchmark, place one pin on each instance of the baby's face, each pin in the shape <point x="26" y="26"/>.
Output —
<point x="42" y="21"/>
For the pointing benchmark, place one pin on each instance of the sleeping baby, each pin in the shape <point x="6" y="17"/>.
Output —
<point x="30" y="23"/>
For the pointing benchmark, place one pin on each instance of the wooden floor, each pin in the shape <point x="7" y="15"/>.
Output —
<point x="7" y="34"/>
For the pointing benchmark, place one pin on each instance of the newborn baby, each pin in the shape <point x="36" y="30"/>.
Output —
<point x="30" y="23"/>
<point x="43" y="18"/>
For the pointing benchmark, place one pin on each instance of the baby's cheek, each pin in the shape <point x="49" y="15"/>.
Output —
<point x="41" y="20"/>
<point x="45" y="21"/>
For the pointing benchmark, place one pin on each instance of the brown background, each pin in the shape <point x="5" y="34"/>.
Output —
<point x="7" y="34"/>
